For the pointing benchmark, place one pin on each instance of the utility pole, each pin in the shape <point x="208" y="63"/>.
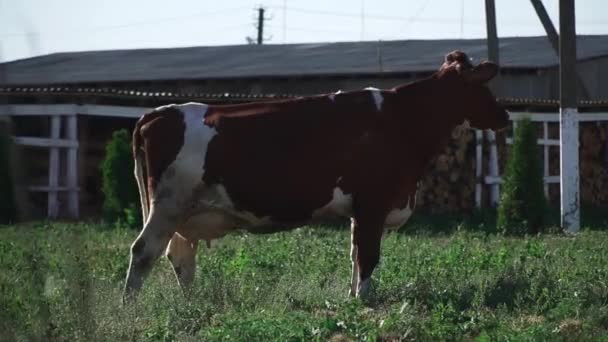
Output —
<point x="491" y="31"/>
<point x="569" y="140"/>
<point x="260" y="25"/>
<point x="492" y="40"/>
<point x="261" y="18"/>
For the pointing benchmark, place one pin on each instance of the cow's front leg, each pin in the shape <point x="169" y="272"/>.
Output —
<point x="148" y="246"/>
<point x="182" y="254"/>
<point x="354" y="279"/>
<point x="367" y="235"/>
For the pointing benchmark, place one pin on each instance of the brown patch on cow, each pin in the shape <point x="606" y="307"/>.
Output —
<point x="160" y="147"/>
<point x="285" y="161"/>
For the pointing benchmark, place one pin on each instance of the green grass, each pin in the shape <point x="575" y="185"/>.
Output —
<point x="63" y="282"/>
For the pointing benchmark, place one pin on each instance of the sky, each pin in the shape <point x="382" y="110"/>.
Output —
<point x="36" y="27"/>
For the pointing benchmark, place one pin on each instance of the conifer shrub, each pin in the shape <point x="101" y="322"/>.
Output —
<point x="119" y="187"/>
<point x="522" y="203"/>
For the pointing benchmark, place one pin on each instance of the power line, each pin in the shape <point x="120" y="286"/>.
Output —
<point x="413" y="18"/>
<point x="461" y="18"/>
<point x="80" y="30"/>
<point x="284" y="20"/>
<point x="382" y="17"/>
<point x="308" y="29"/>
<point x="362" y="19"/>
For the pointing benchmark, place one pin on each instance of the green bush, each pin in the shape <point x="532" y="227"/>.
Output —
<point x="119" y="187"/>
<point x="8" y="206"/>
<point x="522" y="203"/>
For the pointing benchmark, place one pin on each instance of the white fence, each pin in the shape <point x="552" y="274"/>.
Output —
<point x="63" y="116"/>
<point x="493" y="179"/>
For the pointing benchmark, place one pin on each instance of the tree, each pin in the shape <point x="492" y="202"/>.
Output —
<point x="522" y="204"/>
<point x="121" y="196"/>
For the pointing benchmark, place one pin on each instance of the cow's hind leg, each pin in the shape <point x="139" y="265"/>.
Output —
<point x="148" y="246"/>
<point x="182" y="254"/>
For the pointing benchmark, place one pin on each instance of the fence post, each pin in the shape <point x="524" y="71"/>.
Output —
<point x="478" y="167"/>
<point x="53" y="205"/>
<point x="493" y="167"/>
<point x="546" y="156"/>
<point x="72" y="167"/>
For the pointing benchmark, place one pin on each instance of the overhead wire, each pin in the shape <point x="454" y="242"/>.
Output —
<point x="80" y="30"/>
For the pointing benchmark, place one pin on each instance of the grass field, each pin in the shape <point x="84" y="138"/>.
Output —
<point x="63" y="282"/>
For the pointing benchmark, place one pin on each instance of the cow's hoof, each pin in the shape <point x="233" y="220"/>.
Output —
<point x="364" y="288"/>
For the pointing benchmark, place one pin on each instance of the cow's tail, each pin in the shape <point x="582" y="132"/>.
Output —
<point x="138" y="162"/>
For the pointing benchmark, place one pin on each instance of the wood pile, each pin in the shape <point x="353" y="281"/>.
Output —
<point x="449" y="183"/>
<point x="594" y="163"/>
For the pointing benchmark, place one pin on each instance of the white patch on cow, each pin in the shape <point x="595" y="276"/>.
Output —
<point x="378" y="98"/>
<point x="398" y="217"/>
<point x="340" y="204"/>
<point x="332" y="97"/>
<point x="188" y="166"/>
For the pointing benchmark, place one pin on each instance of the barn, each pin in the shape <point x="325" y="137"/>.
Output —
<point x="64" y="107"/>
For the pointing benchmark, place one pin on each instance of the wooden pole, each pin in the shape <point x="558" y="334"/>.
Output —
<point x="72" y="167"/>
<point x="493" y="55"/>
<point x="547" y="24"/>
<point x="569" y="140"/>
<point x="554" y="37"/>
<point x="546" y="156"/>
<point x="491" y="31"/>
<point x="53" y="205"/>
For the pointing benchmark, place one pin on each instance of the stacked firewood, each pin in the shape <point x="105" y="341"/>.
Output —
<point x="594" y="163"/>
<point x="449" y="182"/>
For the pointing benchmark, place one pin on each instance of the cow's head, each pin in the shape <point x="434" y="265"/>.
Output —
<point x="470" y="97"/>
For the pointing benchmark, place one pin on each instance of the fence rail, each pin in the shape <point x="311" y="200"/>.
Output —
<point x="494" y="179"/>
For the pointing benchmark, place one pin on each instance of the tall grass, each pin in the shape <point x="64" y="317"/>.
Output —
<point x="63" y="282"/>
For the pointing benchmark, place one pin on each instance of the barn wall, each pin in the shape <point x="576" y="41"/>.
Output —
<point x="595" y="76"/>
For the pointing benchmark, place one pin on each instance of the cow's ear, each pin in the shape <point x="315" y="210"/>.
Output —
<point x="481" y="74"/>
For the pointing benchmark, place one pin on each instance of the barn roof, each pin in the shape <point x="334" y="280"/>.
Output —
<point x="274" y="60"/>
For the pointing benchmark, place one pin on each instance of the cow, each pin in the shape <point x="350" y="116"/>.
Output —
<point x="204" y="171"/>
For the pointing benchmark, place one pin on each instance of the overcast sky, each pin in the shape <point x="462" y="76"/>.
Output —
<point x="35" y="27"/>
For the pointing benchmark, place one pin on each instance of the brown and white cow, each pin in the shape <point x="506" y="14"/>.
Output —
<point x="271" y="166"/>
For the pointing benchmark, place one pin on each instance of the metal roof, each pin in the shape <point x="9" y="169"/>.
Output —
<point x="107" y="95"/>
<point x="274" y="60"/>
